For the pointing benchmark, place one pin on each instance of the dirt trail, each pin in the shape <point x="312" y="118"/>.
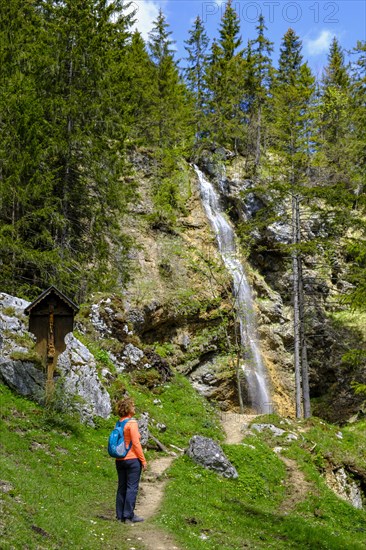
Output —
<point x="296" y="485"/>
<point x="151" y="492"/>
<point x="153" y="482"/>
<point x="235" y="425"/>
<point x="297" y="488"/>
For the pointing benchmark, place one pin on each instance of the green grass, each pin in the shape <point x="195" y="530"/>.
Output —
<point x="179" y="407"/>
<point x="62" y="482"/>
<point x="61" y="478"/>
<point x="245" y="513"/>
<point x="61" y="475"/>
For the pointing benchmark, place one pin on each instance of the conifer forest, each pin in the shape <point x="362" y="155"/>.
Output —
<point x="79" y="90"/>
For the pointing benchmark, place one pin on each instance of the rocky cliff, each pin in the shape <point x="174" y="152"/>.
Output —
<point x="178" y="312"/>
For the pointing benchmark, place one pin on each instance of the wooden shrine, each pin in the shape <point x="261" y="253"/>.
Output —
<point x="51" y="317"/>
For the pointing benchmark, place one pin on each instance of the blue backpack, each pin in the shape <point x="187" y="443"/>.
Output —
<point x="116" y="441"/>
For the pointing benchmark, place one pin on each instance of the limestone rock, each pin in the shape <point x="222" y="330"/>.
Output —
<point x="143" y="423"/>
<point x="17" y="304"/>
<point x="78" y="369"/>
<point x="277" y="432"/>
<point x="133" y="354"/>
<point x="207" y="453"/>
<point x="97" y="320"/>
<point x="12" y="322"/>
<point x="344" y="486"/>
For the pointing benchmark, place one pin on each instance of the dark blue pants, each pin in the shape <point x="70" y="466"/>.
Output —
<point x="129" y="472"/>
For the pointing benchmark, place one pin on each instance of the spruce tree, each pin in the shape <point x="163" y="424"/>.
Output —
<point x="356" y="153"/>
<point x="171" y="120"/>
<point x="259" y="73"/>
<point x="136" y="88"/>
<point x="197" y="49"/>
<point x="66" y="142"/>
<point x="86" y="126"/>
<point x="28" y="212"/>
<point x="293" y="91"/>
<point x="333" y="117"/>
<point x="229" y="30"/>
<point x="170" y="109"/>
<point x="224" y="77"/>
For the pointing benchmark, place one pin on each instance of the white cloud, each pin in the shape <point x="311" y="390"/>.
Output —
<point x="320" y="44"/>
<point x="146" y="13"/>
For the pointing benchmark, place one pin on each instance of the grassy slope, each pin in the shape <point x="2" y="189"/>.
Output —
<point x="61" y="476"/>
<point x="62" y="480"/>
<point x="245" y="513"/>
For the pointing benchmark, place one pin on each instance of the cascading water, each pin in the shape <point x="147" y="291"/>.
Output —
<point x="252" y="366"/>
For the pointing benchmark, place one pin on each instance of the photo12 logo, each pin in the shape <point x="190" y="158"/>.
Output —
<point x="291" y="12"/>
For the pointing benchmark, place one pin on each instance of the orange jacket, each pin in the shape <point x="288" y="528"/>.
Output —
<point x="131" y="433"/>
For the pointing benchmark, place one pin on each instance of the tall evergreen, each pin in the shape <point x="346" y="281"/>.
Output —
<point x="356" y="153"/>
<point x="293" y="91"/>
<point x="224" y="77"/>
<point x="170" y="105"/>
<point x="259" y="72"/>
<point x="333" y="118"/>
<point x="75" y="138"/>
<point x="229" y="30"/>
<point x="137" y="89"/>
<point x="197" y="49"/>
<point x="28" y="212"/>
<point x="171" y="120"/>
<point x="335" y="73"/>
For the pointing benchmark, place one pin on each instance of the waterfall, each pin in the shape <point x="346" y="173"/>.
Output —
<point x="252" y="365"/>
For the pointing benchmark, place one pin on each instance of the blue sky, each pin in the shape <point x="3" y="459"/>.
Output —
<point x="316" y="22"/>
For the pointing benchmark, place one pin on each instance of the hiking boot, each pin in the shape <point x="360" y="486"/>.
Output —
<point x="134" y="519"/>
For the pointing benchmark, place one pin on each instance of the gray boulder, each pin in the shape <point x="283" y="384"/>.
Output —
<point x="207" y="453"/>
<point x="143" y="423"/>
<point x="23" y="377"/>
<point x="77" y="367"/>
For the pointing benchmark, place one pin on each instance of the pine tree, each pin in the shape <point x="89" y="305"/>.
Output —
<point x="224" y="77"/>
<point x="196" y="47"/>
<point x="259" y="72"/>
<point x="356" y="153"/>
<point x="293" y="90"/>
<point x="333" y="114"/>
<point x="170" y="105"/>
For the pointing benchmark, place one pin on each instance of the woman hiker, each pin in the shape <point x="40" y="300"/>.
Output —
<point x="129" y="468"/>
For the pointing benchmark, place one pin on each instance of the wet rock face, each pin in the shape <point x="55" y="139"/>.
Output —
<point x="208" y="378"/>
<point x="207" y="453"/>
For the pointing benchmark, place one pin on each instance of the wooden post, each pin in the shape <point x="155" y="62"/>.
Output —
<point x="50" y="354"/>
